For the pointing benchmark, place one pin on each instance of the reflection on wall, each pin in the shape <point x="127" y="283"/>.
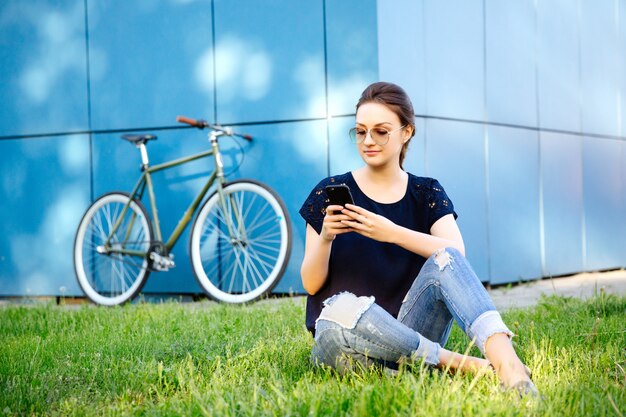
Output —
<point x="101" y="68"/>
<point x="523" y="108"/>
<point x="521" y="115"/>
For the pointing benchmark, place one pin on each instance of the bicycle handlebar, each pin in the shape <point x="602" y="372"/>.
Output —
<point x="201" y="124"/>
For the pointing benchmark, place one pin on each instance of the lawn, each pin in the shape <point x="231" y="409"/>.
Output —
<point x="209" y="359"/>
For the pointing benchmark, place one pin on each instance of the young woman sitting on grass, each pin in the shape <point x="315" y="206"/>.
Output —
<point x="387" y="275"/>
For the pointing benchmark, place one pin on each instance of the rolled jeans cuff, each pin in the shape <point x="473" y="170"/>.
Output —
<point x="427" y="350"/>
<point x="485" y="326"/>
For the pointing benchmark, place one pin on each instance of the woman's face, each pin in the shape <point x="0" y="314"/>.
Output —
<point x="375" y="124"/>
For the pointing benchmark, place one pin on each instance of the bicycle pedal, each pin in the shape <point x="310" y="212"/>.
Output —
<point x="161" y="263"/>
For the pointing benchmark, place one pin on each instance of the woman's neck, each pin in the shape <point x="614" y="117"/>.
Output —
<point x="381" y="175"/>
<point x="383" y="186"/>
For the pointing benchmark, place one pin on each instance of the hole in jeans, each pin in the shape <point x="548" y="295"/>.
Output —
<point x="443" y="259"/>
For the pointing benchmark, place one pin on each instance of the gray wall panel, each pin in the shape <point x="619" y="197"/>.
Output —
<point x="622" y="63"/>
<point x="469" y="66"/>
<point x="454" y="58"/>
<point x="562" y="186"/>
<point x="510" y="67"/>
<point x="604" y="205"/>
<point x="514" y="227"/>
<point x="410" y="70"/>
<point x="455" y="155"/>
<point x="558" y="64"/>
<point x="599" y="66"/>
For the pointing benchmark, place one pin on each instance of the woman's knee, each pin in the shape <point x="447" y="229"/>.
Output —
<point x="327" y="345"/>
<point x="446" y="257"/>
<point x="340" y="314"/>
<point x="345" y="309"/>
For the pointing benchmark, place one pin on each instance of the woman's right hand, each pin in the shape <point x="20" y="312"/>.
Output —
<point x="332" y="225"/>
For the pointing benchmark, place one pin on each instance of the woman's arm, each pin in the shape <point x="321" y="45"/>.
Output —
<point x="444" y="232"/>
<point x="314" y="269"/>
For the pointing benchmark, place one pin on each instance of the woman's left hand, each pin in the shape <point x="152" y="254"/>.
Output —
<point x="368" y="224"/>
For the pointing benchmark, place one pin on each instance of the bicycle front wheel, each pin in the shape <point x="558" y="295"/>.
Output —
<point x="240" y="246"/>
<point x="111" y="266"/>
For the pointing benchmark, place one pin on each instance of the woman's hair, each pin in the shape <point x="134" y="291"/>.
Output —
<point x="397" y="100"/>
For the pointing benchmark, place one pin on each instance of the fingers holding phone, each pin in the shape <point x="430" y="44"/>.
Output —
<point x="338" y="196"/>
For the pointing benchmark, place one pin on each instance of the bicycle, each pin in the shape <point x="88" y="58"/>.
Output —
<point x="239" y="245"/>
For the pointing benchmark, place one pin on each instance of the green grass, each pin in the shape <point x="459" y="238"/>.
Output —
<point x="204" y="358"/>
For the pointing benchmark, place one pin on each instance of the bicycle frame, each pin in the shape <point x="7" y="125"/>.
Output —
<point x="145" y="181"/>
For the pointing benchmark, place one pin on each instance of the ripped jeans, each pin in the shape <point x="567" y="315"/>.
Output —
<point x="354" y="330"/>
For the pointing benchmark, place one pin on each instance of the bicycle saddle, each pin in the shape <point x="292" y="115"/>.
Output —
<point x="136" y="139"/>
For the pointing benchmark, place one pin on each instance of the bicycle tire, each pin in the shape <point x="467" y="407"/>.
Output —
<point x="112" y="279"/>
<point x="250" y="266"/>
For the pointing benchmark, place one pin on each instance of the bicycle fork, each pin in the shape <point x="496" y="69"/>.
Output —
<point x="231" y="208"/>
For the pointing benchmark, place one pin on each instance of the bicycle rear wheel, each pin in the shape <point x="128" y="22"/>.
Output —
<point x="106" y="275"/>
<point x="246" y="265"/>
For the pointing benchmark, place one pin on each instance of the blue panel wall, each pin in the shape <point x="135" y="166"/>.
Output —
<point x="622" y="64"/>
<point x="351" y="49"/>
<point x="510" y="62"/>
<point x="343" y="154"/>
<point x="415" y="159"/>
<point x="600" y="69"/>
<point x="455" y="155"/>
<point x="558" y="64"/>
<point x="148" y="62"/>
<point x="44" y="185"/>
<point x="109" y="67"/>
<point x="521" y="105"/>
<point x="411" y="37"/>
<point x="454" y="40"/>
<point x="43" y="81"/>
<point x="604" y="204"/>
<point x="535" y="78"/>
<point x="263" y="71"/>
<point x="562" y="202"/>
<point x="514" y="227"/>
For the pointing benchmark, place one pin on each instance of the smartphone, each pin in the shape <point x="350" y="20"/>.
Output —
<point x="339" y="194"/>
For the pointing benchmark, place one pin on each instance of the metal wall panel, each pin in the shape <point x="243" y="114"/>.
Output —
<point x="44" y="185"/>
<point x="406" y="65"/>
<point x="622" y="215"/>
<point x="622" y="48"/>
<point x="599" y="67"/>
<point x="454" y="58"/>
<point x="455" y="155"/>
<point x="604" y="204"/>
<point x="514" y="226"/>
<point x="351" y="50"/>
<point x="415" y="160"/>
<point x="510" y="68"/>
<point x="562" y="197"/>
<point x="269" y="60"/>
<point x="149" y="61"/>
<point x="43" y="81"/>
<point x="342" y="153"/>
<point x="558" y="65"/>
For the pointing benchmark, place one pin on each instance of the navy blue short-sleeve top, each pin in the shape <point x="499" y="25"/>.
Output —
<point x="367" y="267"/>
